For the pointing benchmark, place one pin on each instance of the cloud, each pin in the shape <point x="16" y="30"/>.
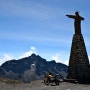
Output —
<point x="66" y="62"/>
<point x="5" y="58"/>
<point x="89" y="58"/>
<point x="57" y="57"/>
<point x="29" y="53"/>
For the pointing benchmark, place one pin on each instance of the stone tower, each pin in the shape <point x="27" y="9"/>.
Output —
<point x="78" y="62"/>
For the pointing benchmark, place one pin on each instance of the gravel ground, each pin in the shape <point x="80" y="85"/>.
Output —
<point x="39" y="85"/>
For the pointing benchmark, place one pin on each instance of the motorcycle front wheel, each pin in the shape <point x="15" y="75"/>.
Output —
<point x="46" y="81"/>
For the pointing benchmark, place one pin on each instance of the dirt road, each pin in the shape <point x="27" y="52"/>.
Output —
<point x="39" y="85"/>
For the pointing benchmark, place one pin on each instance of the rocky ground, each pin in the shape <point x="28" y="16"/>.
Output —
<point x="39" y="85"/>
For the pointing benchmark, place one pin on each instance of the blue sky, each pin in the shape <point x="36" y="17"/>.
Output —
<point x="40" y="26"/>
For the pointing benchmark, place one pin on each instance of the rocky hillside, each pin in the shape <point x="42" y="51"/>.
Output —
<point x="31" y="68"/>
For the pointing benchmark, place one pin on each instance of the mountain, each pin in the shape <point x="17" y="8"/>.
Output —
<point x="31" y="68"/>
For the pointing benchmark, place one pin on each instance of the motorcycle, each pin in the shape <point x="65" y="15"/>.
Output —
<point x="54" y="79"/>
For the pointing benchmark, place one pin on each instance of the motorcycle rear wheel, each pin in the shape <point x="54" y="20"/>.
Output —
<point x="57" y="82"/>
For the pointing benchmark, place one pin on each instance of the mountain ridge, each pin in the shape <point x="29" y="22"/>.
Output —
<point x="33" y="66"/>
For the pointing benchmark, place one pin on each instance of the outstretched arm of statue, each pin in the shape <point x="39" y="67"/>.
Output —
<point x="81" y="18"/>
<point x="71" y="16"/>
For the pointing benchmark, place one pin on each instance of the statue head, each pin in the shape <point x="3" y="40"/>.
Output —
<point x="77" y="13"/>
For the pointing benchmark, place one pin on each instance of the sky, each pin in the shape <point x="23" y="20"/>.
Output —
<point x="41" y="27"/>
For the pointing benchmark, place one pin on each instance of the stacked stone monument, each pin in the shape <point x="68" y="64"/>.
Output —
<point x="79" y="68"/>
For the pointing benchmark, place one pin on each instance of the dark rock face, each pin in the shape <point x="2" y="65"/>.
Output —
<point x="18" y="67"/>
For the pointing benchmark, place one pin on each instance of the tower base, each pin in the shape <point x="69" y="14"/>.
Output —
<point x="79" y="68"/>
